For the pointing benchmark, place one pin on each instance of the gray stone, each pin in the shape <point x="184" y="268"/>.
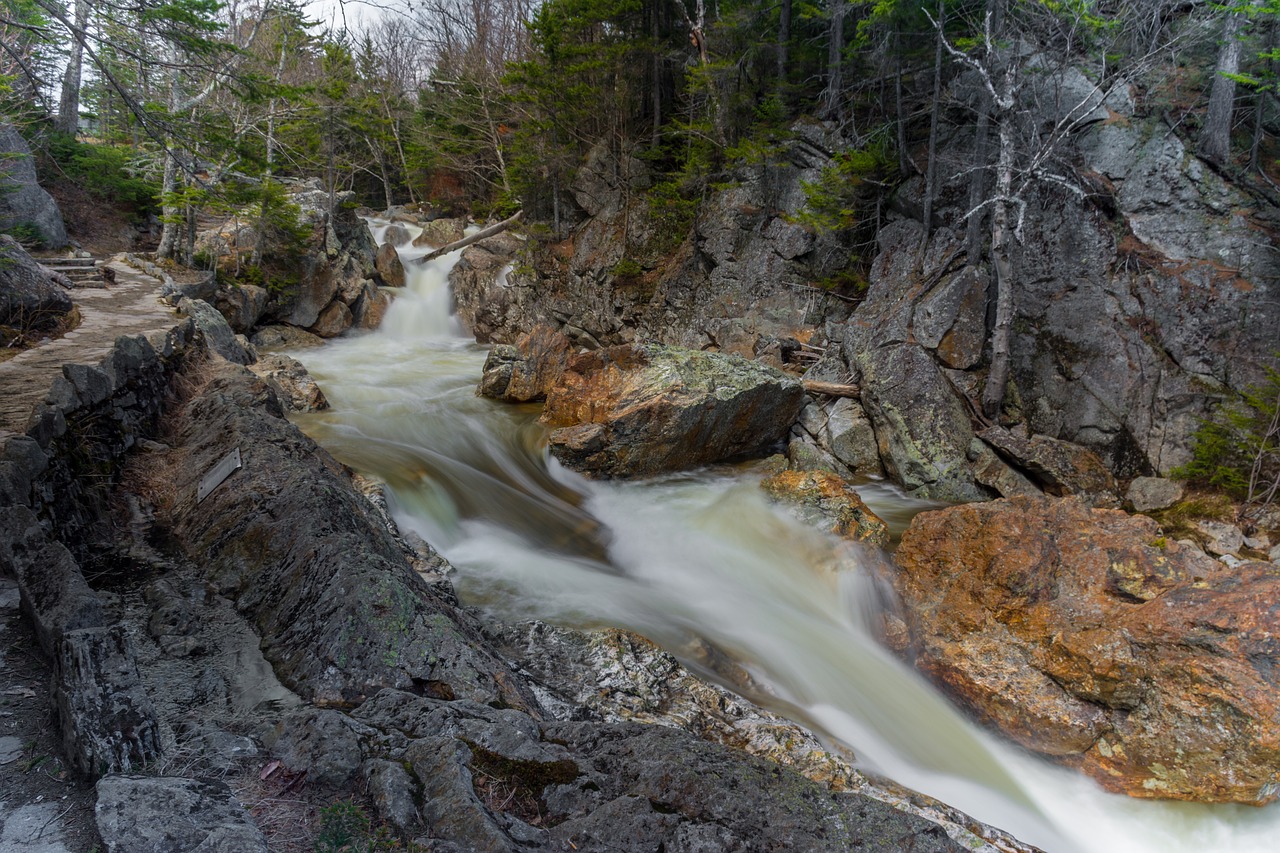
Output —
<point x="22" y="200"/>
<point x="55" y="596"/>
<point x="451" y="809"/>
<point x="242" y="305"/>
<point x="1221" y="538"/>
<point x="388" y="265"/>
<point x="333" y="320"/>
<point x="288" y="377"/>
<point x="36" y="828"/>
<point x="30" y="300"/>
<point x="323" y="743"/>
<point x="11" y="749"/>
<point x="137" y="814"/>
<point x="642" y="410"/>
<point x="285" y="337"/>
<point x="394" y="793"/>
<point x="1274" y="555"/>
<point x="217" y="334"/>
<point x="108" y="722"/>
<point x="1148" y="494"/>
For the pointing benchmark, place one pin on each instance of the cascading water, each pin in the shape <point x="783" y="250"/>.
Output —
<point x="695" y="562"/>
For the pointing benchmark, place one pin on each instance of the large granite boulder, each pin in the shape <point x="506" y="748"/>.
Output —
<point x="1085" y="635"/>
<point x="30" y="298"/>
<point x="23" y="202"/>
<point x="633" y="411"/>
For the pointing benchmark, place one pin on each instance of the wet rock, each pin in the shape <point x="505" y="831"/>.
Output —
<point x="370" y="308"/>
<point x="1059" y="467"/>
<point x="333" y="320"/>
<point x="651" y="782"/>
<point x="288" y="377"/>
<point x="487" y="293"/>
<point x="387" y="263"/>
<point x="527" y="371"/>
<point x="1221" y="538"/>
<point x="618" y="676"/>
<point x="339" y="608"/>
<point x="285" y="337"/>
<point x="1085" y="635"/>
<point x="158" y="814"/>
<point x="396" y="235"/>
<point x="440" y="232"/>
<point x="23" y="201"/>
<point x="30" y="299"/>
<point x="242" y="306"/>
<point x="213" y="327"/>
<point x="1148" y="494"/>
<point x="830" y="498"/>
<point x="641" y="410"/>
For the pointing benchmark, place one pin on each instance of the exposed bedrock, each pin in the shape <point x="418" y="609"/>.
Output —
<point x="1085" y="635"/>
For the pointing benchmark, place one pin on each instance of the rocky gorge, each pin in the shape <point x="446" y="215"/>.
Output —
<point x="255" y="651"/>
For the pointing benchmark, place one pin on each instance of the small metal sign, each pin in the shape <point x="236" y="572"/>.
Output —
<point x="224" y="469"/>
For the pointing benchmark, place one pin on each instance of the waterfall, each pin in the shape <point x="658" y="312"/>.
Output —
<point x="694" y="561"/>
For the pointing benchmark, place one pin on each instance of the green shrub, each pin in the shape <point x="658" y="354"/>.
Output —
<point x="345" y="828"/>
<point x="110" y="172"/>
<point x="1237" y="450"/>
<point x="26" y="233"/>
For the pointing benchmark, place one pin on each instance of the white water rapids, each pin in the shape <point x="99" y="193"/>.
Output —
<point x="693" y="562"/>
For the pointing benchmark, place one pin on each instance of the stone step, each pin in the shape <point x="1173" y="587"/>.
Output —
<point x="63" y="263"/>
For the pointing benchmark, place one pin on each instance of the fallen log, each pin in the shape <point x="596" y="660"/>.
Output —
<point x="474" y="238"/>
<point x="831" y="389"/>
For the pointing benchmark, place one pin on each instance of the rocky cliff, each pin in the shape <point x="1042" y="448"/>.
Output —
<point x="1140" y="300"/>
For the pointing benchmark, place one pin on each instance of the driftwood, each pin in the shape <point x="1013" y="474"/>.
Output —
<point x="831" y="389"/>
<point x="474" y="238"/>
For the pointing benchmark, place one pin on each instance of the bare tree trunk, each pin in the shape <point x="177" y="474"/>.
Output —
<point x="1215" y="136"/>
<point x="931" y="168"/>
<point x="657" y="75"/>
<point x="69" y="104"/>
<point x="904" y="156"/>
<point x="784" y="39"/>
<point x="170" y="213"/>
<point x="1002" y="259"/>
<point x="829" y="105"/>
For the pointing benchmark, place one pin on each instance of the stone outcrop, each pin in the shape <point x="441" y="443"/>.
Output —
<point x="633" y="411"/>
<point x="1147" y="494"/>
<point x="497" y="780"/>
<point x="1085" y="635"/>
<point x="339" y="608"/>
<point x="153" y="813"/>
<point x="337" y="273"/>
<point x="23" y="202"/>
<point x="31" y="300"/>
<point x="742" y="280"/>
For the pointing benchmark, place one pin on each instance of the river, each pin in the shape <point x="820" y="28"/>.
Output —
<point x="694" y="561"/>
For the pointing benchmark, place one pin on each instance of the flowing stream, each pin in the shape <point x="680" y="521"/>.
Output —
<point x="701" y="564"/>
